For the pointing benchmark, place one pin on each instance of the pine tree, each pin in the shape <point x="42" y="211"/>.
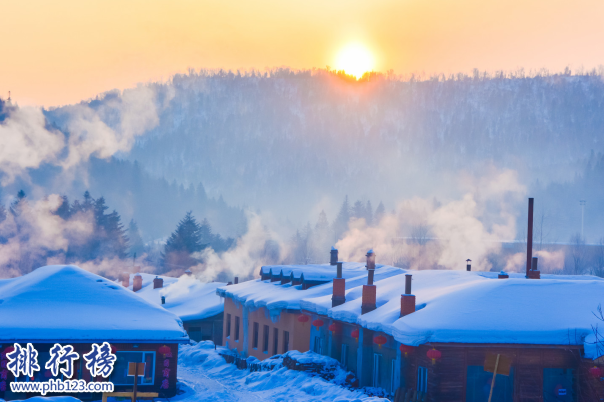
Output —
<point x="340" y="225"/>
<point x="205" y="234"/>
<point x="183" y="242"/>
<point x="16" y="207"/>
<point x="358" y="210"/>
<point x="379" y="213"/>
<point x="369" y="213"/>
<point x="64" y="210"/>
<point x="136" y="241"/>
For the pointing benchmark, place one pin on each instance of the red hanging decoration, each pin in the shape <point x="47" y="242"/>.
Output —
<point x="380" y="340"/>
<point x="595" y="372"/>
<point x="434" y="355"/>
<point x="318" y="323"/>
<point x="9" y="349"/>
<point x="113" y="349"/>
<point x="406" y="349"/>
<point x="303" y="318"/>
<point x="164" y="350"/>
<point x="47" y="374"/>
<point x="333" y="328"/>
<point x="355" y="334"/>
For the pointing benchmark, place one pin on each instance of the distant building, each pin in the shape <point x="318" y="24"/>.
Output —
<point x="67" y="305"/>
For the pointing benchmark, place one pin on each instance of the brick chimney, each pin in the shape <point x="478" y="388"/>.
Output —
<point x="534" y="273"/>
<point x="468" y="265"/>
<point x="137" y="283"/>
<point x="368" y="302"/>
<point x="370" y="260"/>
<point x="333" y="254"/>
<point x="339" y="287"/>
<point x="125" y="279"/>
<point x="158" y="283"/>
<point x="407" y="300"/>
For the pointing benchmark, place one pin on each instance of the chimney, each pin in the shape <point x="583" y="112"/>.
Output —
<point x="158" y="283"/>
<point x="163" y="300"/>
<point x="333" y="256"/>
<point x="534" y="272"/>
<point x="370" y="260"/>
<point x="188" y="272"/>
<point x="529" y="238"/>
<point x="407" y="300"/>
<point x="503" y="275"/>
<point x="468" y="265"/>
<point x="137" y="283"/>
<point x="368" y="302"/>
<point x="236" y="280"/>
<point x="339" y="288"/>
<point x="125" y="279"/>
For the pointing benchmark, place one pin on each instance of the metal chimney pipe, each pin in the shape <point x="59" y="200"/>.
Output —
<point x="163" y="300"/>
<point x="370" y="276"/>
<point x="407" y="284"/>
<point x="370" y="260"/>
<point x="236" y="280"/>
<point x="534" y="264"/>
<point x="468" y="265"/>
<point x="529" y="237"/>
<point x="333" y="254"/>
<point x="339" y="268"/>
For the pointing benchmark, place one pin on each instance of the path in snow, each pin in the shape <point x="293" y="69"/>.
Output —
<point x="203" y="375"/>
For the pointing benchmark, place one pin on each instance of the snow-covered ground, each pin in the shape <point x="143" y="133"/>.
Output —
<point x="205" y="376"/>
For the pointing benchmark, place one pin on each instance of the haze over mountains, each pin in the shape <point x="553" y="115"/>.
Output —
<point x="294" y="143"/>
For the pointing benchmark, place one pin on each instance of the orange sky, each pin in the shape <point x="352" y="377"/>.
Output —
<point x="62" y="51"/>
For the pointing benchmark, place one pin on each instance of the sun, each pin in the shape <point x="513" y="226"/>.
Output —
<point x="355" y="59"/>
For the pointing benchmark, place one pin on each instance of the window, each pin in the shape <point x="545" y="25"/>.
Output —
<point x="285" y="341"/>
<point x="265" y="339"/>
<point x="276" y="341"/>
<point x="344" y="357"/>
<point x="236" y="329"/>
<point x="422" y="379"/>
<point x="377" y="361"/>
<point x="557" y="385"/>
<point x="255" y="336"/>
<point x="228" y="326"/>
<point x="120" y="376"/>
<point x="478" y="385"/>
<point x="393" y="377"/>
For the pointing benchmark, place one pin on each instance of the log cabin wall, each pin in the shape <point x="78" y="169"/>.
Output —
<point x="447" y="378"/>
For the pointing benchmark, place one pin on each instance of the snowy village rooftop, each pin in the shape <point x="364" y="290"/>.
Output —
<point x="451" y="306"/>
<point x="187" y="297"/>
<point x="67" y="303"/>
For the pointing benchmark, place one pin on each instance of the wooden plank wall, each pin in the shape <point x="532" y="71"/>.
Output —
<point x="447" y="378"/>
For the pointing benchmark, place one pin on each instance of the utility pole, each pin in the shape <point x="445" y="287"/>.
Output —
<point x="582" y="203"/>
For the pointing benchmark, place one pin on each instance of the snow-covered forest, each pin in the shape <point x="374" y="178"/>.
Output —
<point x="266" y="158"/>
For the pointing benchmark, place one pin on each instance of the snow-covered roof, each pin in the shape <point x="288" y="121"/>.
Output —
<point x="275" y="296"/>
<point x="476" y="307"/>
<point x="316" y="272"/>
<point x="187" y="297"/>
<point x="67" y="303"/>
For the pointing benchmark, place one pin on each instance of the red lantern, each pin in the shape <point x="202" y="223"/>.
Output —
<point x="595" y="372"/>
<point x="303" y="318"/>
<point x="164" y="350"/>
<point x="9" y="349"/>
<point x="355" y="334"/>
<point x="406" y="349"/>
<point x="47" y="374"/>
<point x="113" y="349"/>
<point x="380" y="340"/>
<point x="434" y="355"/>
<point x="318" y="323"/>
<point x="333" y="328"/>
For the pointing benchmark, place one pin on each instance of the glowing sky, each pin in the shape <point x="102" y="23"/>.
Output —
<point x="62" y="51"/>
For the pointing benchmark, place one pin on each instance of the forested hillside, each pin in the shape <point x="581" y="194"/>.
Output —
<point x="282" y="141"/>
